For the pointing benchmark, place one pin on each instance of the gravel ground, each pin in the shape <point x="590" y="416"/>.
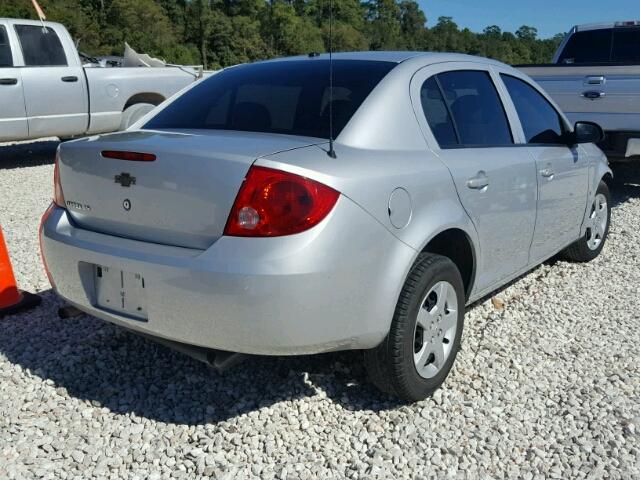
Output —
<point x="548" y="386"/>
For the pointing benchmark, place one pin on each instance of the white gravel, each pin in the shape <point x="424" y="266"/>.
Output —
<point x="546" y="387"/>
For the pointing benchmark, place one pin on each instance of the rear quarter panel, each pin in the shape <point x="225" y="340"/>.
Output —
<point x="368" y="178"/>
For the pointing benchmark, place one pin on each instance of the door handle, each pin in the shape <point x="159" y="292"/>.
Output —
<point x="69" y="79"/>
<point x="593" y="94"/>
<point x="479" y="182"/>
<point x="595" y="80"/>
<point x="547" y="173"/>
<point x="8" y="81"/>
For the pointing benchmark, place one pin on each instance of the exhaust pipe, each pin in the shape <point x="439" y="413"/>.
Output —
<point x="69" y="311"/>
<point x="219" y="360"/>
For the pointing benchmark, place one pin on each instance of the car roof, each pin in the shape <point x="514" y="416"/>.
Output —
<point x="392" y="56"/>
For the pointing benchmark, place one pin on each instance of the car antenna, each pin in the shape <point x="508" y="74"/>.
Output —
<point x="331" y="152"/>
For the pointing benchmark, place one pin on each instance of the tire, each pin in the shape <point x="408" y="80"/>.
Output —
<point x="133" y="113"/>
<point x="391" y="365"/>
<point x="592" y="243"/>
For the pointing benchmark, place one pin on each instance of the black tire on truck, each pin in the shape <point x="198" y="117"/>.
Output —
<point x="133" y="113"/>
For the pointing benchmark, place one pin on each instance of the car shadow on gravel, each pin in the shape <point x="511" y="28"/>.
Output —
<point x="32" y="154"/>
<point x="110" y="367"/>
<point x="626" y="182"/>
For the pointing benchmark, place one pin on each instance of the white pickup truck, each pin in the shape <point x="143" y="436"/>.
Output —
<point x="595" y="76"/>
<point x="46" y="91"/>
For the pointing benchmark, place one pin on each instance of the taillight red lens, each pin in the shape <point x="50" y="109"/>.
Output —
<point x="273" y="203"/>
<point x="58" y="195"/>
<point x="44" y="218"/>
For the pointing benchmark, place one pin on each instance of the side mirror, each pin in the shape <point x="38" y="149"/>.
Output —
<point x="587" y="132"/>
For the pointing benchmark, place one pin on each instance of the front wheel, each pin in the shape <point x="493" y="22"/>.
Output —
<point x="591" y="244"/>
<point x="421" y="346"/>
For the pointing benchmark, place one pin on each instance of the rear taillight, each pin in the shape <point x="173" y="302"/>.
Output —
<point x="43" y="220"/>
<point x="273" y="203"/>
<point x="58" y="196"/>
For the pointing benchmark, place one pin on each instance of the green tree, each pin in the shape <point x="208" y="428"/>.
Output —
<point x="385" y="31"/>
<point x="217" y="33"/>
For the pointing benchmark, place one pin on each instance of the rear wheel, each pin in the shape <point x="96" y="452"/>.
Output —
<point x="417" y="354"/>
<point x="134" y="113"/>
<point x="592" y="243"/>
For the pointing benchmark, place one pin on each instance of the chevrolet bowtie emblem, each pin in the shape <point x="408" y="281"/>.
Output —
<point x="125" y="179"/>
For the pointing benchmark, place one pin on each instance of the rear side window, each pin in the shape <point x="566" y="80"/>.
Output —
<point x="41" y="46"/>
<point x="626" y="45"/>
<point x="591" y="46"/>
<point x="472" y="106"/>
<point x="5" y="49"/>
<point x="287" y="97"/>
<point x="437" y="113"/>
<point x="540" y="121"/>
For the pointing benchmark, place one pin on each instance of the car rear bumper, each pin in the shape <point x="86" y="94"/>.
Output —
<point x="333" y="287"/>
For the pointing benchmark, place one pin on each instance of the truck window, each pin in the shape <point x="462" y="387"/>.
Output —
<point x="540" y="121"/>
<point x="626" y="45"/>
<point x="5" y="49"/>
<point x="41" y="47"/>
<point x="590" y="46"/>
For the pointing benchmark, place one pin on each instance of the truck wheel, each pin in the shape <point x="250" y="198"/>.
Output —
<point x="415" y="357"/>
<point x="134" y="113"/>
<point x="592" y="243"/>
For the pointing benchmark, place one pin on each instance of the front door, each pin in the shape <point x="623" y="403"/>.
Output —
<point x="13" y="116"/>
<point x="54" y="85"/>
<point x="495" y="180"/>
<point x="563" y="171"/>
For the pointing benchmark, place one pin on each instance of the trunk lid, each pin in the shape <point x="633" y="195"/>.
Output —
<point x="182" y="198"/>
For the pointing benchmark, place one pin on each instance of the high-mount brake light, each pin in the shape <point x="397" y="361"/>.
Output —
<point x="273" y="203"/>
<point x="628" y="23"/>
<point x="131" y="156"/>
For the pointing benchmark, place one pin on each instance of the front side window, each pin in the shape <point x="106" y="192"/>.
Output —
<point x="590" y="46"/>
<point x="41" y="46"/>
<point x="6" y="60"/>
<point x="471" y="104"/>
<point x="540" y="121"/>
<point x="286" y="97"/>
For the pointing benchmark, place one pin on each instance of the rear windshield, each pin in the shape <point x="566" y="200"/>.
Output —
<point x="591" y="46"/>
<point x="607" y="45"/>
<point x="287" y="97"/>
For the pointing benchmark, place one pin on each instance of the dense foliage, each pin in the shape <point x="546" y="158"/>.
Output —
<point x="225" y="32"/>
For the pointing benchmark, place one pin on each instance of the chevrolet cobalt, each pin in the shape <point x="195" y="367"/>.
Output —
<point x="272" y="209"/>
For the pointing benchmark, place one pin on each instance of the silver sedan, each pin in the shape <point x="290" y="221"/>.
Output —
<point x="268" y="210"/>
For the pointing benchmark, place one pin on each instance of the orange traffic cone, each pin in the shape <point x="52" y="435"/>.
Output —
<point x="12" y="300"/>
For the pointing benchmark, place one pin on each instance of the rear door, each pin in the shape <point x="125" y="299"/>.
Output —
<point x="13" y="116"/>
<point x="54" y="84"/>
<point x="563" y="170"/>
<point x="468" y="127"/>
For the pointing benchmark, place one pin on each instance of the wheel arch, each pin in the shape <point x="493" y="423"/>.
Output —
<point x="144" y="97"/>
<point x="457" y="245"/>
